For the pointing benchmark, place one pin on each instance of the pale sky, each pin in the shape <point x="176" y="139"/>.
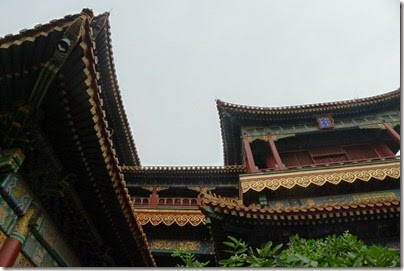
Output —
<point x="174" y="58"/>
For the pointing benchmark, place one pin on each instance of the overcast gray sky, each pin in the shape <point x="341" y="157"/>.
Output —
<point x="174" y="58"/>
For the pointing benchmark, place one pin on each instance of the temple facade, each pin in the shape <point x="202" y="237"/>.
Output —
<point x="312" y="170"/>
<point x="73" y="191"/>
<point x="166" y="202"/>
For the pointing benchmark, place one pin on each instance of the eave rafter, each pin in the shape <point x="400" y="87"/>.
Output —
<point x="83" y="117"/>
<point x="224" y="209"/>
<point x="105" y="142"/>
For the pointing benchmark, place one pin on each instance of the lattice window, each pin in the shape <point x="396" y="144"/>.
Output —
<point x="304" y="158"/>
<point x="295" y="159"/>
<point x="329" y="150"/>
<point x="329" y="154"/>
<point x="360" y="152"/>
<point x="331" y="159"/>
<point x="289" y="159"/>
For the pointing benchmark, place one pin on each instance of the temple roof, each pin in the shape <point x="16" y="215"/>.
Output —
<point x="78" y="112"/>
<point x="110" y="94"/>
<point x="320" y="108"/>
<point x="186" y="175"/>
<point x="216" y="206"/>
<point x="28" y="43"/>
<point x="170" y="217"/>
<point x="233" y="116"/>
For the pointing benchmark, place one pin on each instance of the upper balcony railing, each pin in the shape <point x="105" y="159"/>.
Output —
<point x="165" y="201"/>
<point x="332" y="164"/>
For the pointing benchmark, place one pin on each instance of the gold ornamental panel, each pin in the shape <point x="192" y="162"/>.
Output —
<point x="23" y="261"/>
<point x="170" y="217"/>
<point x="319" y="177"/>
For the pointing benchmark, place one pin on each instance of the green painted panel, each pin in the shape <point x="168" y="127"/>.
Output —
<point x="15" y="192"/>
<point x="37" y="253"/>
<point x="7" y="217"/>
<point x="50" y="237"/>
<point x="11" y="160"/>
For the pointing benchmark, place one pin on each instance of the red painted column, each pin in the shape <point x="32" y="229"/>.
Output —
<point x="12" y="246"/>
<point x="250" y="158"/>
<point x="275" y="153"/>
<point x="154" y="197"/>
<point x="9" y="251"/>
<point x="392" y="132"/>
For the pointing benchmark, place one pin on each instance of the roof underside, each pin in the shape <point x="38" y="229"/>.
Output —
<point x="218" y="208"/>
<point x="81" y="105"/>
<point x="183" y="176"/>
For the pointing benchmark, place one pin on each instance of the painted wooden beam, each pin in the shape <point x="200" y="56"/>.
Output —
<point x="275" y="153"/>
<point x="392" y="132"/>
<point x="250" y="158"/>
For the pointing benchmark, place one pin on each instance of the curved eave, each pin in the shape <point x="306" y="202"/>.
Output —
<point x="106" y="175"/>
<point x="221" y="208"/>
<point x="77" y="109"/>
<point x="233" y="115"/>
<point x="111" y="95"/>
<point x="320" y="108"/>
<point x="183" y="175"/>
<point x="184" y="169"/>
<point x="38" y="30"/>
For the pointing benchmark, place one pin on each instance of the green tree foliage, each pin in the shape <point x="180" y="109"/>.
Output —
<point x="188" y="259"/>
<point x="345" y="250"/>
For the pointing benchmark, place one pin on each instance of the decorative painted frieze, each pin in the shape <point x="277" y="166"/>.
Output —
<point x="11" y="160"/>
<point x="168" y="246"/>
<point x="16" y="193"/>
<point x="8" y="218"/>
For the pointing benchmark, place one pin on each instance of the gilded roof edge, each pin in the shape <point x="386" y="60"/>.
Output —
<point x="184" y="169"/>
<point x="236" y="208"/>
<point x="343" y="104"/>
<point x="118" y="98"/>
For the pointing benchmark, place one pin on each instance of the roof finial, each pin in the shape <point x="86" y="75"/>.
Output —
<point x="88" y="12"/>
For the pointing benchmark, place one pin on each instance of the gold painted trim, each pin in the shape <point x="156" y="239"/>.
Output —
<point x="166" y="211"/>
<point x="333" y="177"/>
<point x="23" y="261"/>
<point x="395" y="164"/>
<point x="169" y="218"/>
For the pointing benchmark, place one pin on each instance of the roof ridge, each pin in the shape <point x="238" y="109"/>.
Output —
<point x="298" y="106"/>
<point x="127" y="168"/>
<point x="207" y="198"/>
<point x="117" y="97"/>
<point x="9" y="39"/>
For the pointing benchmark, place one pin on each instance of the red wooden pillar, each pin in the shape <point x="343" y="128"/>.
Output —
<point x="275" y="153"/>
<point x="154" y="197"/>
<point x="392" y="132"/>
<point x="13" y="244"/>
<point x="250" y="165"/>
<point x="9" y="251"/>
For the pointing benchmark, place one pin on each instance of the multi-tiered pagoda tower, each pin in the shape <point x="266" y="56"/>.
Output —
<point x="312" y="170"/>
<point x="73" y="191"/>
<point x="166" y="201"/>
